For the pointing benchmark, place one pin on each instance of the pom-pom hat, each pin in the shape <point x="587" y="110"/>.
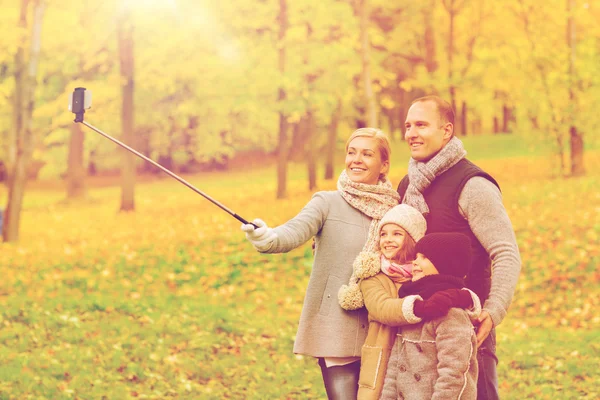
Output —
<point x="406" y="217"/>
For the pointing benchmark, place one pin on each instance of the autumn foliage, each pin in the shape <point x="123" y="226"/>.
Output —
<point x="171" y="301"/>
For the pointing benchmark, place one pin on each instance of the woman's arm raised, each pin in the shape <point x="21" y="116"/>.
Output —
<point x="294" y="232"/>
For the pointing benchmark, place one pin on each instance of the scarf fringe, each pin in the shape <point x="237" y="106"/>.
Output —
<point x="421" y="174"/>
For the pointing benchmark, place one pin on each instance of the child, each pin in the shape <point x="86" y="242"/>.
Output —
<point x="436" y="359"/>
<point x="378" y="276"/>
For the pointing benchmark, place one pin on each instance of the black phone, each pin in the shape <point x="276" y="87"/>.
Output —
<point x="81" y="100"/>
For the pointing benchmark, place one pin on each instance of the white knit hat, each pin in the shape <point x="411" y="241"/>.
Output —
<point x="406" y="217"/>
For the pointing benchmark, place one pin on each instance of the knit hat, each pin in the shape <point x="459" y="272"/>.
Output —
<point x="408" y="218"/>
<point x="450" y="253"/>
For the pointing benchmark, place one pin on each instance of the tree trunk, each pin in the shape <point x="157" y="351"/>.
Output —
<point x="75" y="168"/>
<point x="463" y="118"/>
<point x="475" y="126"/>
<point x="331" y="139"/>
<point x="281" y="96"/>
<point x="506" y="118"/>
<point x="577" y="148"/>
<point x="11" y="138"/>
<point x="126" y="60"/>
<point x="429" y="37"/>
<point x="403" y="106"/>
<point x="296" y="140"/>
<point x="23" y="104"/>
<point x="496" y="125"/>
<point x="541" y="72"/>
<point x="92" y="169"/>
<point x="391" y="117"/>
<point x="534" y="122"/>
<point x="576" y="137"/>
<point x="309" y="149"/>
<point x="371" y="111"/>
<point x="452" y="89"/>
<point x="560" y="151"/>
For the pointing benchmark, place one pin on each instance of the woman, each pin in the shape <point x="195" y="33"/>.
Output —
<point x="341" y="222"/>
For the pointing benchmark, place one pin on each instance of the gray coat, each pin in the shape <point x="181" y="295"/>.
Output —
<point x="340" y="231"/>
<point x="434" y="360"/>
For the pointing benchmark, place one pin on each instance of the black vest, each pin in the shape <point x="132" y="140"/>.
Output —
<point x="442" y="199"/>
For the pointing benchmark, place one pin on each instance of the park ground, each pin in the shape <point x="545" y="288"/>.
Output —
<point x="171" y="301"/>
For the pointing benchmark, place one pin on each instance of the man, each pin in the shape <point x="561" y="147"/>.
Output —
<point x="457" y="196"/>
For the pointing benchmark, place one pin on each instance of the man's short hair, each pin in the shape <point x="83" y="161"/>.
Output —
<point x="444" y="108"/>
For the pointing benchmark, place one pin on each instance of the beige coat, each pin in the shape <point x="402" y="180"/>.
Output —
<point x="386" y="313"/>
<point x="340" y="231"/>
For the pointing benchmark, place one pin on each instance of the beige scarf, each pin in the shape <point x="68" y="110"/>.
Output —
<point x="421" y="174"/>
<point x="373" y="201"/>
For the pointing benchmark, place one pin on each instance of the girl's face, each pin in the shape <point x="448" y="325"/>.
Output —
<point x="391" y="240"/>
<point x="363" y="161"/>
<point x="422" y="267"/>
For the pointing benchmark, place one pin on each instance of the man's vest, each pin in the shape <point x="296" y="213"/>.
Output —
<point x="442" y="199"/>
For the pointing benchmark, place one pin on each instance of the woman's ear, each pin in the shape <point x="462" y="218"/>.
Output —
<point x="385" y="168"/>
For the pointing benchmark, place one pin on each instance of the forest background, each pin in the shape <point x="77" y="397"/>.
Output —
<point x="252" y="102"/>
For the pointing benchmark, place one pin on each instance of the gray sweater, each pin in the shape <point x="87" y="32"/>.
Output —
<point x="480" y="203"/>
<point x="340" y="231"/>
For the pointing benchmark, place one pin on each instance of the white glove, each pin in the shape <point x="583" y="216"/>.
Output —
<point x="262" y="237"/>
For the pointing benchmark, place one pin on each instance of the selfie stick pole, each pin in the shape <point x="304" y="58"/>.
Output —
<point x="78" y="108"/>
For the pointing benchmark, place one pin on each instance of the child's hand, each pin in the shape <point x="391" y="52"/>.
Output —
<point x="441" y="302"/>
<point x="434" y="307"/>
<point x="462" y="300"/>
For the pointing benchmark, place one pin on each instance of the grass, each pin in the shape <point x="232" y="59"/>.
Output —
<point x="172" y="302"/>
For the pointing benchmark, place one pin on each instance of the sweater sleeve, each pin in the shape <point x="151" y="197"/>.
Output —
<point x="302" y="227"/>
<point x="480" y="203"/>
<point x="455" y="344"/>
<point x="386" y="308"/>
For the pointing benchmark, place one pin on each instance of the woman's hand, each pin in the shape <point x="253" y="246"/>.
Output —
<point x="261" y="237"/>
<point x="441" y="302"/>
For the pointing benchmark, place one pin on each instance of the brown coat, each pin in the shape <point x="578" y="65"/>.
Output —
<point x="386" y="313"/>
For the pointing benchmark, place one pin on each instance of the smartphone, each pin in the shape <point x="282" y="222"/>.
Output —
<point x="81" y="100"/>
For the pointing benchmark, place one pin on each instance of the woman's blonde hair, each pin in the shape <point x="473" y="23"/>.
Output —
<point x="380" y="138"/>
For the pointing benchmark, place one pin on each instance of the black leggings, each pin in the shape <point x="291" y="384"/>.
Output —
<point x="341" y="381"/>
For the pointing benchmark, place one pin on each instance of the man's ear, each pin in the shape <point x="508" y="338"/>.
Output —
<point x="448" y="130"/>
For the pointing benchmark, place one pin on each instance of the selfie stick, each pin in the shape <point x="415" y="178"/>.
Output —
<point x="82" y="100"/>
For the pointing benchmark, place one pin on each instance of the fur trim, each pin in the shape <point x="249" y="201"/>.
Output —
<point x="476" y="310"/>
<point x="366" y="264"/>
<point x="408" y="309"/>
<point x="350" y="297"/>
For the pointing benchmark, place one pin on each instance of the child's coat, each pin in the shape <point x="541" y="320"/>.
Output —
<point x="436" y="359"/>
